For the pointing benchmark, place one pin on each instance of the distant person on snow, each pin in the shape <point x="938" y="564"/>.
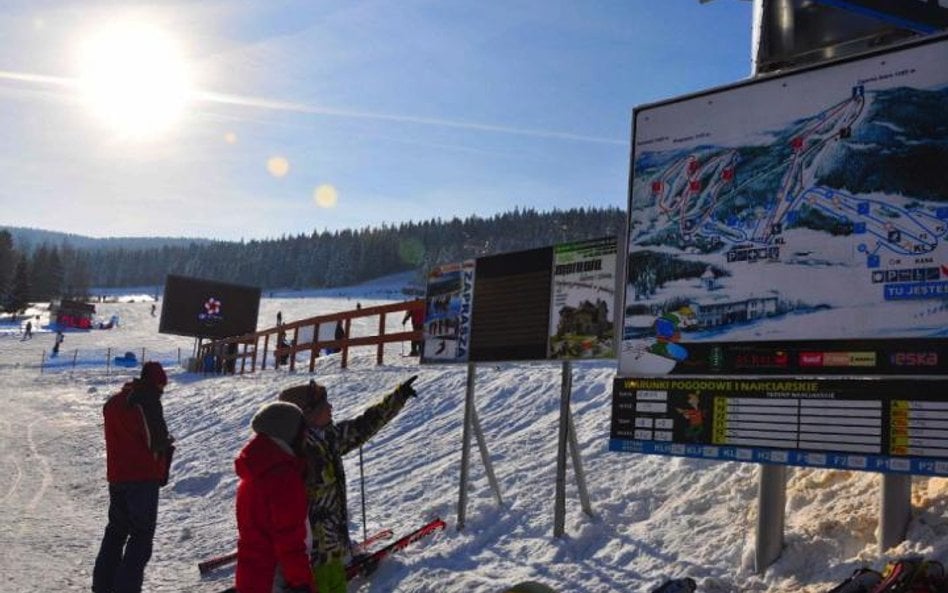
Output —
<point x="417" y="317"/>
<point x="325" y="444"/>
<point x="138" y="456"/>
<point x="279" y="318"/>
<point x="153" y="307"/>
<point x="28" y="331"/>
<point x="273" y="532"/>
<point x="57" y="343"/>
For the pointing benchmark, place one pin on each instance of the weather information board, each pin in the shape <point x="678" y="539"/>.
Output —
<point x="795" y="224"/>
<point x="891" y="425"/>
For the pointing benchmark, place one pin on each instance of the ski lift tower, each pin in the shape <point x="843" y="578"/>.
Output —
<point x="788" y="34"/>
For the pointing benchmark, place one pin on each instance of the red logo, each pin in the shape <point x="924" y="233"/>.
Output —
<point x="811" y="359"/>
<point x="914" y="359"/>
<point x="944" y="270"/>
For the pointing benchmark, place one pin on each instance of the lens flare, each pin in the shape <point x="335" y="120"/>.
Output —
<point x="326" y="196"/>
<point x="278" y="166"/>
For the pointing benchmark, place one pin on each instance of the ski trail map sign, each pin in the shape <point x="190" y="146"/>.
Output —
<point x="786" y="295"/>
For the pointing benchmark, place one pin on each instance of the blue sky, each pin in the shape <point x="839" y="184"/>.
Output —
<point x="399" y="110"/>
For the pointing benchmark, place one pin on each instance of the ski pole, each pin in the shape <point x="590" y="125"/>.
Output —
<point x="362" y="479"/>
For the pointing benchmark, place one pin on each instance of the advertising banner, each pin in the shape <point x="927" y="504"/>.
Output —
<point x="582" y="312"/>
<point x="448" y="306"/>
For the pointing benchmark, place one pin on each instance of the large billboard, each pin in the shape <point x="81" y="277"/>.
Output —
<point x="794" y="225"/>
<point x="208" y="309"/>
<point x="548" y="303"/>
<point x="787" y="275"/>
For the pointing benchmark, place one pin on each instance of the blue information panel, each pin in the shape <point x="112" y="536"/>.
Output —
<point x="886" y="425"/>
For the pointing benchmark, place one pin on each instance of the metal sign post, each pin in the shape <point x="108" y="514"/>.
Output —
<point x="771" y="502"/>
<point x="895" y="509"/>
<point x="473" y="424"/>
<point x="567" y="438"/>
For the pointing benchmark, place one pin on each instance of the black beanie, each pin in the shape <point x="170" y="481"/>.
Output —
<point x="280" y="420"/>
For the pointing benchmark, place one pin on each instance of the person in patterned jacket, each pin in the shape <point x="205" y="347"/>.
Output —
<point x="326" y="442"/>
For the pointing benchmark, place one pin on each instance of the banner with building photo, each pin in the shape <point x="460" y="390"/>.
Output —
<point x="448" y="307"/>
<point x="582" y="312"/>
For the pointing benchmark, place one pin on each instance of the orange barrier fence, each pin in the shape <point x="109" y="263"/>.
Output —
<point x="303" y="336"/>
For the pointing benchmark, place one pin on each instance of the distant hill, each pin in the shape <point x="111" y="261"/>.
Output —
<point x="26" y="239"/>
<point x="64" y="263"/>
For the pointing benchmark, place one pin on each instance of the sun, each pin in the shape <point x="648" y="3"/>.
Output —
<point x="134" y="77"/>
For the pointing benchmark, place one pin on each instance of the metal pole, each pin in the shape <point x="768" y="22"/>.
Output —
<point x="578" y="468"/>
<point x="895" y="509"/>
<point x="559" y="509"/>
<point x="466" y="445"/>
<point x="485" y="455"/>
<point x="771" y="502"/>
<point x="365" y="535"/>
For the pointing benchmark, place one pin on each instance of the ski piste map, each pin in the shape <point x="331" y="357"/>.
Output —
<point x="807" y="207"/>
<point x="793" y="227"/>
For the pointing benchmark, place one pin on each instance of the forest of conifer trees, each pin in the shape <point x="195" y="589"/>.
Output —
<point x="32" y="273"/>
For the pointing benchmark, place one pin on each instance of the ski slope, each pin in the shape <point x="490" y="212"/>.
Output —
<point x="655" y="517"/>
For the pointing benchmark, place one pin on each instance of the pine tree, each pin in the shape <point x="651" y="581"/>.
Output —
<point x="20" y="293"/>
<point x="7" y="265"/>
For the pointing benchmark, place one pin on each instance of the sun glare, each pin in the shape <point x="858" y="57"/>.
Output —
<point x="134" y="78"/>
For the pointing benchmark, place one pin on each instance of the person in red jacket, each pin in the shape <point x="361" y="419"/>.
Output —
<point x="138" y="452"/>
<point x="273" y="536"/>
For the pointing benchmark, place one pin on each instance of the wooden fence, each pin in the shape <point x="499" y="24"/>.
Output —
<point x="246" y="350"/>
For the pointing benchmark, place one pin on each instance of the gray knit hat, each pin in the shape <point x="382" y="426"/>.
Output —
<point x="280" y="420"/>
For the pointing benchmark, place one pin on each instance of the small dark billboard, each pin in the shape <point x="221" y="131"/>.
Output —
<point x="208" y="309"/>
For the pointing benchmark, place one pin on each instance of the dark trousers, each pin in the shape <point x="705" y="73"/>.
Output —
<point x="126" y="545"/>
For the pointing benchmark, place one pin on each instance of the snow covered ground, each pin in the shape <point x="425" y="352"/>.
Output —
<point x="655" y="517"/>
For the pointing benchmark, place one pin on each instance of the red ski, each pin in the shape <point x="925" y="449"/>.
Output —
<point x="211" y="563"/>
<point x="366" y="564"/>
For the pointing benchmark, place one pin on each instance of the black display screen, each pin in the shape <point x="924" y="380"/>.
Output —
<point x="511" y="315"/>
<point x="208" y="309"/>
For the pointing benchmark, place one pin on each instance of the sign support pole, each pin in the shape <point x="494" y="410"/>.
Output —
<point x="473" y="424"/>
<point x="895" y="509"/>
<point x="771" y="502"/>
<point x="466" y="445"/>
<point x="567" y="438"/>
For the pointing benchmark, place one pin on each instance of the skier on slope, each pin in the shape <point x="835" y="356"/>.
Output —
<point x="274" y="537"/>
<point x="325" y="444"/>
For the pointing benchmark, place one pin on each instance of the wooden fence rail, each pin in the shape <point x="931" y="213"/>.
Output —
<point x="227" y="352"/>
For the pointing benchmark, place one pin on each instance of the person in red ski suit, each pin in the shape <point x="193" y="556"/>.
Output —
<point x="138" y="455"/>
<point x="273" y="536"/>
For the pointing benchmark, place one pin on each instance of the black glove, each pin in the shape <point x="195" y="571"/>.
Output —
<point x="405" y="389"/>
<point x="300" y="589"/>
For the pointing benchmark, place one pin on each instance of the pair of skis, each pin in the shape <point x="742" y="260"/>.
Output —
<point x="361" y="565"/>
<point x="216" y="562"/>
